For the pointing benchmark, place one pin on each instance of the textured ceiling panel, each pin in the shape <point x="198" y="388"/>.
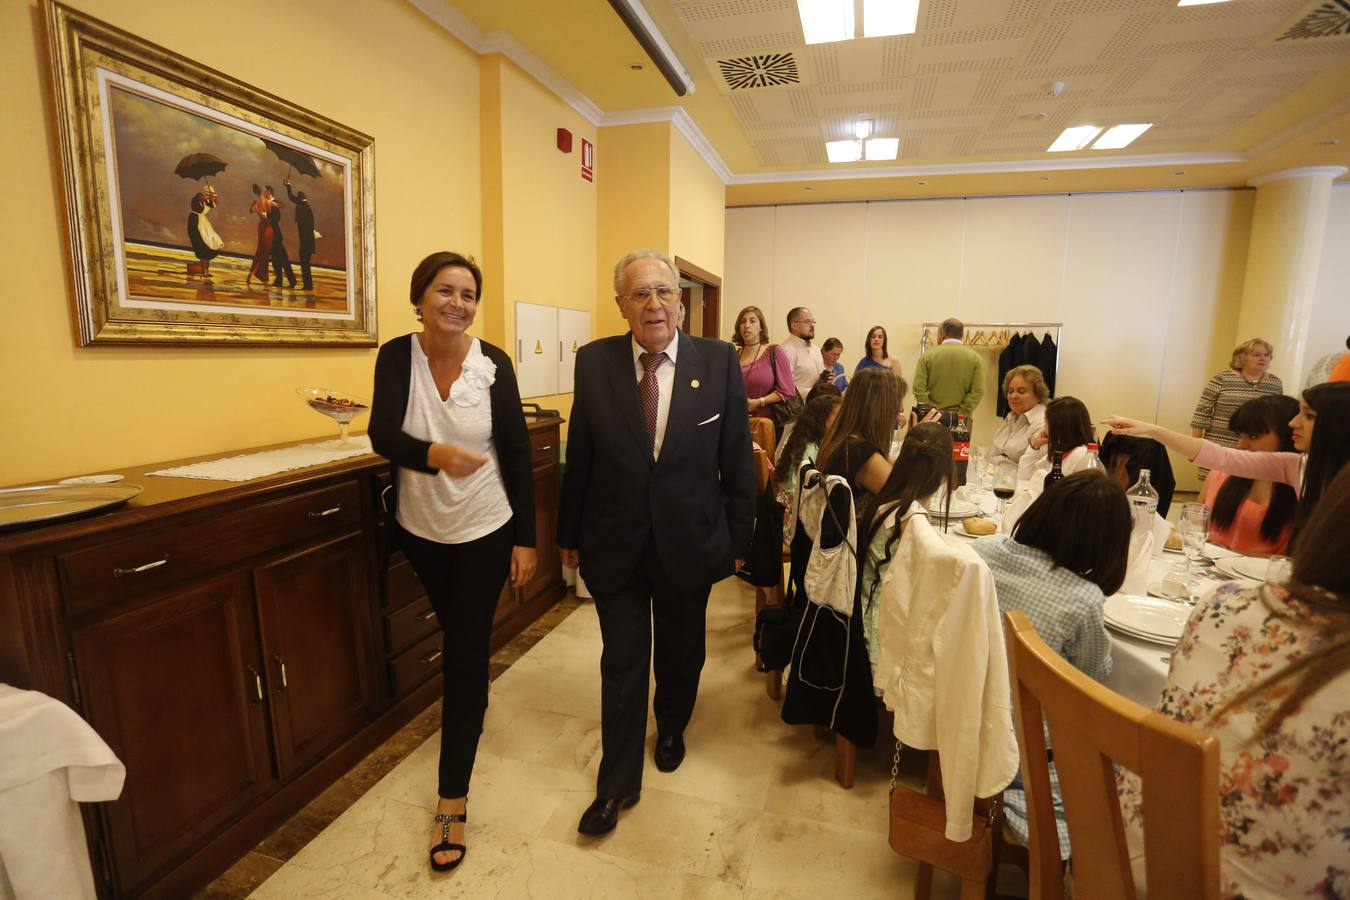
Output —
<point x="975" y="77"/>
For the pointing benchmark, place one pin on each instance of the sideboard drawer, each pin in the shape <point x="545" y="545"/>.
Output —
<point x="106" y="573"/>
<point x="415" y="665"/>
<point x="409" y="624"/>
<point x="544" y="447"/>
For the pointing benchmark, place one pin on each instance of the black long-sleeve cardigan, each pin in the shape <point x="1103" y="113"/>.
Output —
<point x="393" y="375"/>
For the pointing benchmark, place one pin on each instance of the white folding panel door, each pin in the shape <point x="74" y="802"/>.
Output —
<point x="536" y="349"/>
<point x="574" y="331"/>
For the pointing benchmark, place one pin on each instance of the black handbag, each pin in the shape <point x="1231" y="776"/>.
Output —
<point x="785" y="411"/>
<point x="764" y="564"/>
<point x="775" y="633"/>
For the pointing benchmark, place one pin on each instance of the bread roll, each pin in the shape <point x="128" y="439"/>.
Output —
<point x="979" y="525"/>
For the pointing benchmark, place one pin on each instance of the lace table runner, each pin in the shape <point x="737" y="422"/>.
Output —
<point x="248" y="466"/>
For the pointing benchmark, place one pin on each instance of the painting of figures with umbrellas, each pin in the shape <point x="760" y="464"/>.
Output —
<point x="203" y="210"/>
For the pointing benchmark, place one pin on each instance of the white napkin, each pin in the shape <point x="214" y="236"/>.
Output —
<point x="1024" y="497"/>
<point x="1142" y="551"/>
<point x="1162" y="530"/>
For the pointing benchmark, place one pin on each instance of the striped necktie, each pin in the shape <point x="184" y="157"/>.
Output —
<point x="650" y="393"/>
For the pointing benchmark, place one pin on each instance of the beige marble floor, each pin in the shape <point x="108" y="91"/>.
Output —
<point x="753" y="812"/>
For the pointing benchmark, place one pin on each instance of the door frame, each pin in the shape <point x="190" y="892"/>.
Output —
<point x="712" y="295"/>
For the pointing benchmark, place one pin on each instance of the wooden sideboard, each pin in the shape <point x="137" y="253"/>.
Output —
<point x="239" y="646"/>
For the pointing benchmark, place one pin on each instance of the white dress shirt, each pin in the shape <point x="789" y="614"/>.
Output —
<point x="665" y="384"/>
<point x="807" y="363"/>
<point x="1014" y="435"/>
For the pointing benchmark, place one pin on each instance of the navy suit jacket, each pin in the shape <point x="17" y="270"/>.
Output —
<point x="696" y="501"/>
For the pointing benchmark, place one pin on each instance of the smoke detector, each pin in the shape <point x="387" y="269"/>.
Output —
<point x="1055" y="88"/>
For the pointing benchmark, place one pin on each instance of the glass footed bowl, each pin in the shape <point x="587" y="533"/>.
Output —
<point x="339" y="406"/>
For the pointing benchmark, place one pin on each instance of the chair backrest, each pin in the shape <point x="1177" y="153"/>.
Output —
<point x="1091" y="727"/>
<point x="762" y="470"/>
<point x="762" y="433"/>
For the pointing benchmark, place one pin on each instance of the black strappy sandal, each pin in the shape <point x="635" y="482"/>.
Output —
<point x="446" y="820"/>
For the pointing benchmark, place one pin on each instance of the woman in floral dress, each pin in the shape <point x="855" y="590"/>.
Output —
<point x="1267" y="669"/>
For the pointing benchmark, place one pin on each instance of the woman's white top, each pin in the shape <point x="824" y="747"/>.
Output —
<point x="1036" y="464"/>
<point x="438" y="507"/>
<point x="1013" y="437"/>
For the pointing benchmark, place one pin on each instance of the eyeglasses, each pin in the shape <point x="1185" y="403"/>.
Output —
<point x="663" y="292"/>
<point x="803" y="321"/>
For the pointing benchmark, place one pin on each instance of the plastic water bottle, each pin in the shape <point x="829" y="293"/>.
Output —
<point x="1092" y="462"/>
<point x="1143" y="502"/>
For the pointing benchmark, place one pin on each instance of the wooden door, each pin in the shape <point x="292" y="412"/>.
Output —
<point x="314" y="610"/>
<point x="175" y="688"/>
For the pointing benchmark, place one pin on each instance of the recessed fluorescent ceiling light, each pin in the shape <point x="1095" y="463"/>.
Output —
<point x="883" y="17"/>
<point x="1198" y="2"/>
<point x="1118" y="136"/>
<point x="1075" y="138"/>
<point x="824" y="21"/>
<point x="883" y="148"/>
<point x="843" y="151"/>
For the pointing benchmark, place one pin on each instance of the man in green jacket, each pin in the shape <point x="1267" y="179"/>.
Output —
<point x="951" y="375"/>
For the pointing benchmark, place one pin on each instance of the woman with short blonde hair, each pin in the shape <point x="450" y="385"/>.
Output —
<point x="1246" y="378"/>
<point x="1027" y="393"/>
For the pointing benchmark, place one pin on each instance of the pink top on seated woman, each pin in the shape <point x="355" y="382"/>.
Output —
<point x="1321" y="434"/>
<point x="760" y="360"/>
<point x="1254" y="517"/>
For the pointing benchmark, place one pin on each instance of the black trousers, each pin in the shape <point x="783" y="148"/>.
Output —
<point x="306" y="276"/>
<point x="647" y="605"/>
<point x="281" y="264"/>
<point x="463" y="582"/>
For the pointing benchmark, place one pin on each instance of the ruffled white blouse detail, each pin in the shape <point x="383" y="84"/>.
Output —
<point x="477" y="375"/>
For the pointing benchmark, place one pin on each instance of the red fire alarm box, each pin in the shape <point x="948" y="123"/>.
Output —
<point x="587" y="160"/>
<point x="564" y="140"/>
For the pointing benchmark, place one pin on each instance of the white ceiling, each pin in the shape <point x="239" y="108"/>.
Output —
<point x="965" y="84"/>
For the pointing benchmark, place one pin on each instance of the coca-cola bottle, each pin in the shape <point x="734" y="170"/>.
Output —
<point x="961" y="448"/>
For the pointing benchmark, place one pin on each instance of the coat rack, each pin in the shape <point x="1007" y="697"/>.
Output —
<point x="993" y="335"/>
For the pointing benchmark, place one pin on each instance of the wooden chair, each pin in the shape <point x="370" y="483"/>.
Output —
<point x="762" y="433"/>
<point x="1092" y="727"/>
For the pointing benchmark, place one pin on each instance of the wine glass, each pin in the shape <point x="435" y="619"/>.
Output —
<point x="1193" y="527"/>
<point x="339" y="406"/>
<point x="980" y="482"/>
<point x="1005" y="484"/>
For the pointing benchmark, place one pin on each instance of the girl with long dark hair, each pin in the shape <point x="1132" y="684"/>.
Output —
<point x="1255" y="516"/>
<point x="1321" y="435"/>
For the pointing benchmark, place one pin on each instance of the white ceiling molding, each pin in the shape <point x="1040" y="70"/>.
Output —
<point x="685" y="125"/>
<point x="994" y="168"/>
<point x="1300" y="128"/>
<point x="1331" y="173"/>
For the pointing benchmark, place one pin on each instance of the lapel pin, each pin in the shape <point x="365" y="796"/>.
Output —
<point x="694" y="383"/>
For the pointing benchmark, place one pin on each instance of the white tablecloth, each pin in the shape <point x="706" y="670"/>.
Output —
<point x="49" y="759"/>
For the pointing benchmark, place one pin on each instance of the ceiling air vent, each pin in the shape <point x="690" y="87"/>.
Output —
<point x="768" y="70"/>
<point x="1325" y="20"/>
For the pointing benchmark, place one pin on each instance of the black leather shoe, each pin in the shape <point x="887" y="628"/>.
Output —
<point x="669" y="753"/>
<point x="602" y="815"/>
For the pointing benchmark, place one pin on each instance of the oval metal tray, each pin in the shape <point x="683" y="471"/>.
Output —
<point x="48" y="502"/>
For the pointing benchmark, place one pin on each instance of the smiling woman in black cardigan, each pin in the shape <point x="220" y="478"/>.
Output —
<point x="447" y="415"/>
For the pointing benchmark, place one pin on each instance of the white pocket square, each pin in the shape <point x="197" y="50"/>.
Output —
<point x="713" y="418"/>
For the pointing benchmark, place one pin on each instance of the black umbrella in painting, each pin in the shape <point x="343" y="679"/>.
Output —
<point x="301" y="162"/>
<point x="199" y="165"/>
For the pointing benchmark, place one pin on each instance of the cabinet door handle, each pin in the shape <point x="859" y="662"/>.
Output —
<point x="432" y="657"/>
<point x="145" y="568"/>
<point x="427" y="617"/>
<point x="257" y="685"/>
<point x="281" y="662"/>
<point x="545" y="447"/>
<point x="327" y="512"/>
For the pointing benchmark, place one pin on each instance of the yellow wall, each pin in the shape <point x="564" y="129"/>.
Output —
<point x="698" y="202"/>
<point x="380" y="67"/>
<point x="546" y="216"/>
<point x="632" y="179"/>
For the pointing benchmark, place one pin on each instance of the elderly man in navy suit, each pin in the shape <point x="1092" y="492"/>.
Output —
<point x="657" y="504"/>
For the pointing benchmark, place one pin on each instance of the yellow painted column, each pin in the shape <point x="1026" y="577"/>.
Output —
<point x="1288" y="226"/>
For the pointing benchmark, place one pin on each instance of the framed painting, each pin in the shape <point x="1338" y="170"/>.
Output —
<point x="202" y="210"/>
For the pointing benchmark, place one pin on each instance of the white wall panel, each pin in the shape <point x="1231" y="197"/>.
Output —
<point x="913" y="273"/>
<point x="1206" y="293"/>
<point x="1014" y="258"/>
<point x="819" y="262"/>
<point x="748" y="279"/>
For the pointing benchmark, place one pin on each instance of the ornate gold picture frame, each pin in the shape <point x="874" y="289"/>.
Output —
<point x="202" y="210"/>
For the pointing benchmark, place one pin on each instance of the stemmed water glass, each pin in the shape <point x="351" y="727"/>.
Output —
<point x="980" y="482"/>
<point x="1193" y="528"/>
<point x="1005" y="484"/>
